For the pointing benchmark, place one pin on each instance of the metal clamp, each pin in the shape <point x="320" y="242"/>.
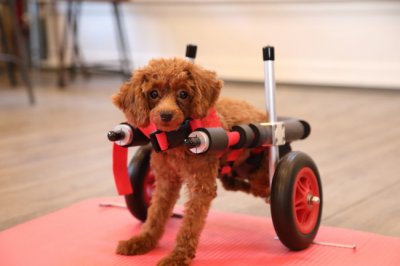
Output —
<point x="278" y="133"/>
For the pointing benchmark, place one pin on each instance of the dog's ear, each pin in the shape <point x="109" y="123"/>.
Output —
<point x="207" y="89"/>
<point x="132" y="101"/>
<point x="121" y="96"/>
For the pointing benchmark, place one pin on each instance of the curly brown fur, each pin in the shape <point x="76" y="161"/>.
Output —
<point x="166" y="92"/>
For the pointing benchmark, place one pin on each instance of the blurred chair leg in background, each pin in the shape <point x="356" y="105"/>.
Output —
<point x="6" y="50"/>
<point x="70" y="35"/>
<point x="21" y="59"/>
<point x="70" y="30"/>
<point x="125" y="64"/>
<point x="77" y="57"/>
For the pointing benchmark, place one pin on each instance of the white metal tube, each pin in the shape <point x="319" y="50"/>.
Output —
<point x="269" y="86"/>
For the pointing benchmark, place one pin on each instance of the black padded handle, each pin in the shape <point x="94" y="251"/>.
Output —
<point x="115" y="135"/>
<point x="191" y="50"/>
<point x="268" y="53"/>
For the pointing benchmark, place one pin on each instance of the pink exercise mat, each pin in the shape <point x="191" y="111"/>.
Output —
<point x="86" y="234"/>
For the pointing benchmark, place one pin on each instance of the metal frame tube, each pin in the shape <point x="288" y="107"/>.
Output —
<point x="269" y="86"/>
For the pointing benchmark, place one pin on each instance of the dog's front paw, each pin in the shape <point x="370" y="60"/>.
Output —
<point x="175" y="259"/>
<point x="135" y="246"/>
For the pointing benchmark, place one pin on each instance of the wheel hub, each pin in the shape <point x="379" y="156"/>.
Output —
<point x="312" y="199"/>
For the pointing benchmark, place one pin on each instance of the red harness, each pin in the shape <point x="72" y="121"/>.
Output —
<point x="160" y="140"/>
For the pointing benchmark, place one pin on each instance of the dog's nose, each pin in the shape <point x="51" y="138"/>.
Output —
<point x="166" y="116"/>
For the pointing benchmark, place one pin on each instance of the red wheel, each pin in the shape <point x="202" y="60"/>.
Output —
<point x="305" y="210"/>
<point x="143" y="183"/>
<point x="296" y="200"/>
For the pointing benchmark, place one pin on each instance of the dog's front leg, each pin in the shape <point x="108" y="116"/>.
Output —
<point x="164" y="198"/>
<point x="202" y="189"/>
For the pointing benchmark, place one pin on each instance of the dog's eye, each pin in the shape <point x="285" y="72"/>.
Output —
<point x="183" y="95"/>
<point x="153" y="94"/>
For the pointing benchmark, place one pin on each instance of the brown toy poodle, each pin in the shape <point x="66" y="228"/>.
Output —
<point x="166" y="92"/>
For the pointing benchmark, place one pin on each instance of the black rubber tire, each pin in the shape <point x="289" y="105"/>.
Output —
<point x="137" y="170"/>
<point x="290" y="233"/>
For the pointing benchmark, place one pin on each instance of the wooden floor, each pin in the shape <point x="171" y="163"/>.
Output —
<point x="56" y="153"/>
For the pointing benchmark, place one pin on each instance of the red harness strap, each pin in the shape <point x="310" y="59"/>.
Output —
<point x="149" y="129"/>
<point x="120" y="154"/>
<point x="211" y="120"/>
<point x="120" y="170"/>
<point x="161" y="139"/>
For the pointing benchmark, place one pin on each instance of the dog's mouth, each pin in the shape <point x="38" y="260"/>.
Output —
<point x="167" y="120"/>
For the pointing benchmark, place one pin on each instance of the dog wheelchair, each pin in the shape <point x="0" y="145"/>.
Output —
<point x="295" y="185"/>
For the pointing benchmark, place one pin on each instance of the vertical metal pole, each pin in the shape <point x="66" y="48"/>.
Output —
<point x="269" y="85"/>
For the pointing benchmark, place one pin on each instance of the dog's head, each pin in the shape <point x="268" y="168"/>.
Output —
<point x="166" y="92"/>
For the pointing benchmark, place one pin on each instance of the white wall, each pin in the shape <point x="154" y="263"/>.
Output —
<point x="345" y="43"/>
